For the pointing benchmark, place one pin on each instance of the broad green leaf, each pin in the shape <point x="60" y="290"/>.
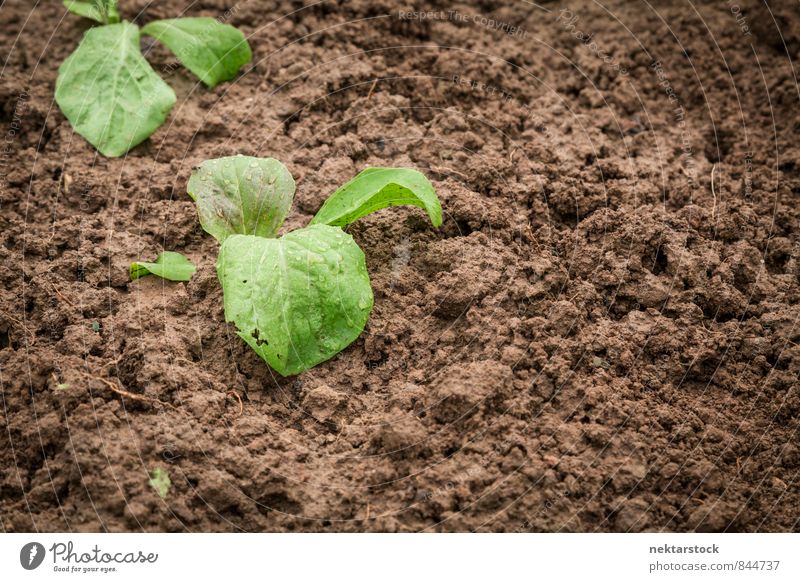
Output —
<point x="103" y="11"/>
<point x="169" y="265"/>
<point x="160" y="481"/>
<point x="108" y="91"/>
<point x="241" y="195"/>
<point x="297" y="300"/>
<point x="377" y="188"/>
<point x="211" y="50"/>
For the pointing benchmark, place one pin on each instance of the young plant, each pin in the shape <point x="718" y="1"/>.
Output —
<point x="110" y="93"/>
<point x="300" y="299"/>
<point x="169" y="265"/>
<point x="160" y="481"/>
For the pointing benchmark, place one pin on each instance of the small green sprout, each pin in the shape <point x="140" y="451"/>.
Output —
<point x="169" y="265"/>
<point x="160" y="481"/>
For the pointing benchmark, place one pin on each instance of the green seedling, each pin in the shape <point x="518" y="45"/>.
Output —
<point x="110" y="93"/>
<point x="300" y="299"/>
<point x="160" y="481"/>
<point x="103" y="11"/>
<point x="169" y="265"/>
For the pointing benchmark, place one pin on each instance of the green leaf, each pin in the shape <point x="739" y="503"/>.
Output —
<point x="211" y="50"/>
<point x="108" y="91"/>
<point x="160" y="481"/>
<point x="242" y="195"/>
<point x="377" y="188"/>
<point x="298" y="300"/>
<point x="103" y="11"/>
<point x="169" y="265"/>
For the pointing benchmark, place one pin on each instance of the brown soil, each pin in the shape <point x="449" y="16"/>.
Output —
<point x="602" y="336"/>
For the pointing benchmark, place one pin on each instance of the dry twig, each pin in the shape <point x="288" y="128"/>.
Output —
<point x="371" y="89"/>
<point x="136" y="397"/>
<point x="239" y="398"/>
<point x="60" y="296"/>
<point x="713" y="193"/>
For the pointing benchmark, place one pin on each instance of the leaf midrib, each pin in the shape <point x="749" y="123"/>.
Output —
<point x="283" y="297"/>
<point x="123" y="56"/>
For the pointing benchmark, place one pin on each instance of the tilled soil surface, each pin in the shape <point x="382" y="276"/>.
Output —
<point x="603" y="335"/>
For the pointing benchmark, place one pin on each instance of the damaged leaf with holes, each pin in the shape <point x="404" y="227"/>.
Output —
<point x="296" y="300"/>
<point x="241" y="195"/>
<point x="300" y="299"/>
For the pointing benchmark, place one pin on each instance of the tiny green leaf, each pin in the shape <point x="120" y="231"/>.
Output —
<point x="377" y="188"/>
<point x="298" y="300"/>
<point x="160" y="481"/>
<point x="211" y="50"/>
<point x="109" y="92"/>
<point x="242" y="195"/>
<point x="169" y="265"/>
<point x="103" y="11"/>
